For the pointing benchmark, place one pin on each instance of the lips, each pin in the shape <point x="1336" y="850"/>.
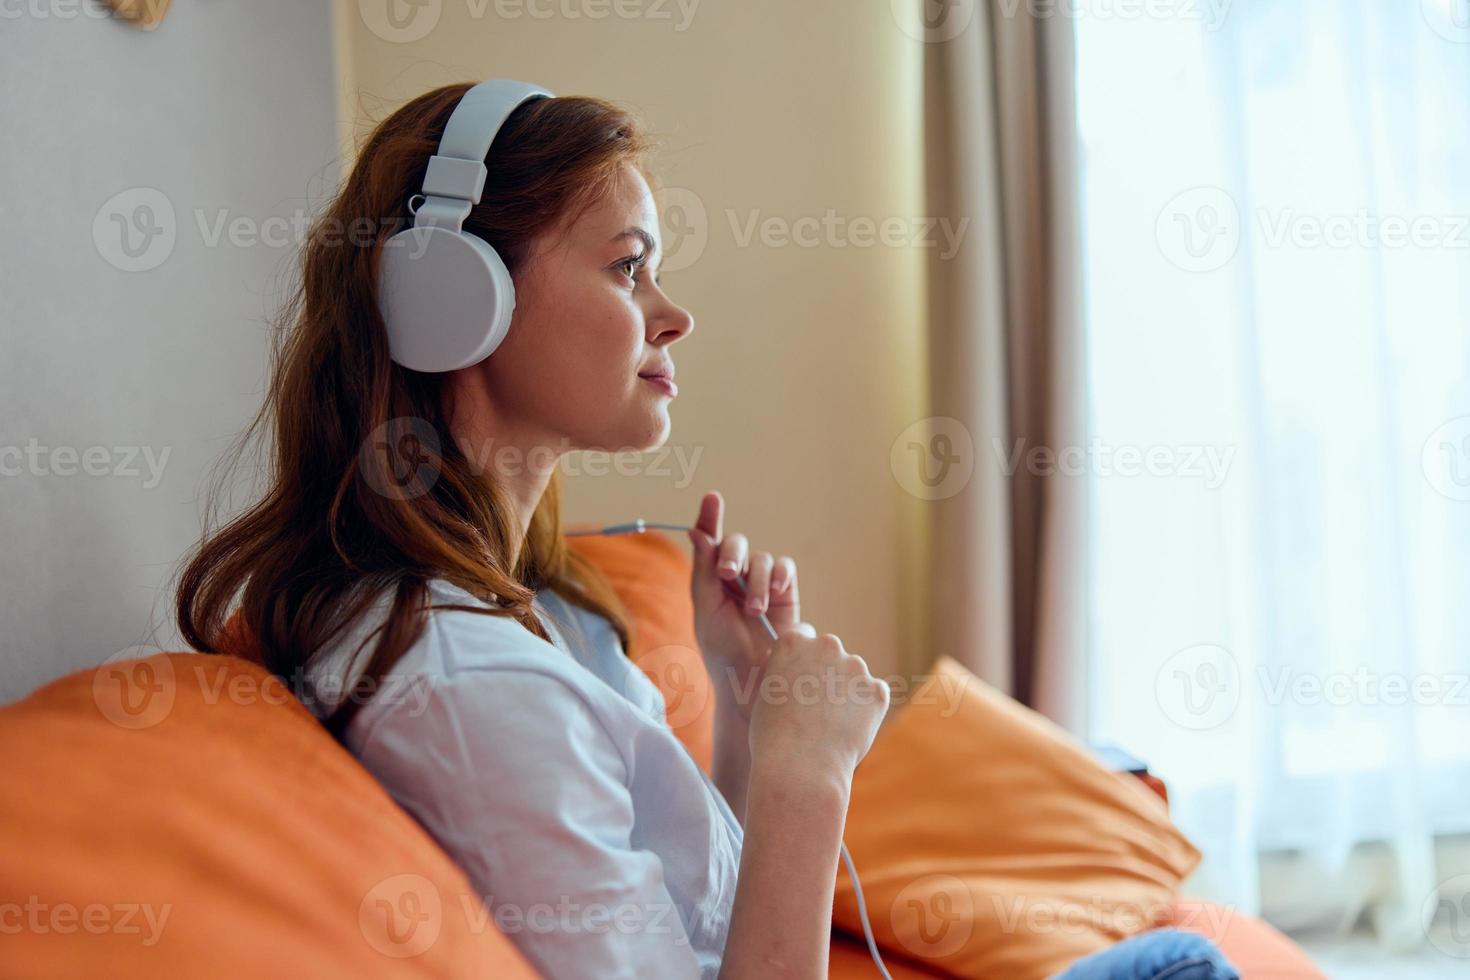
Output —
<point x="664" y="372"/>
<point x="661" y="377"/>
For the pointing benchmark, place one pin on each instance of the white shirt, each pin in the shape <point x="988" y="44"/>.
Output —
<point x="548" y="773"/>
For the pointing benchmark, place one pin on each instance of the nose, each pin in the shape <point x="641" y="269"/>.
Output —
<point x="668" y="322"/>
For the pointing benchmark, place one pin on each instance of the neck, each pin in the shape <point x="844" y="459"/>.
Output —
<point x="524" y="488"/>
<point x="519" y="461"/>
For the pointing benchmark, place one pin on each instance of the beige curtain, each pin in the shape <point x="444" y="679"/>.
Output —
<point x="1009" y="560"/>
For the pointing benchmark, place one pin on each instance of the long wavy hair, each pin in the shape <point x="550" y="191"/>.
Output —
<point x="338" y="525"/>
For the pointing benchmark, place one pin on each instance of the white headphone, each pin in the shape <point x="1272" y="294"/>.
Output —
<point x="445" y="295"/>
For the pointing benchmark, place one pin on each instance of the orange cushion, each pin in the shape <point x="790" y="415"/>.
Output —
<point x="849" y="959"/>
<point x="991" y="844"/>
<point x="184" y="816"/>
<point x="650" y="574"/>
<point x="1254" y="947"/>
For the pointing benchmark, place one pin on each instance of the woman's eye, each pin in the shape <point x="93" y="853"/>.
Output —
<point x="630" y="265"/>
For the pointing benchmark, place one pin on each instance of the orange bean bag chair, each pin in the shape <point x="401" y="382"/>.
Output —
<point x="182" y="815"/>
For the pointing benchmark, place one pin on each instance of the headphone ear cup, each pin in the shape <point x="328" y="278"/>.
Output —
<point x="446" y="298"/>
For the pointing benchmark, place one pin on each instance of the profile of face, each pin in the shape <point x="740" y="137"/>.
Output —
<point x="586" y="362"/>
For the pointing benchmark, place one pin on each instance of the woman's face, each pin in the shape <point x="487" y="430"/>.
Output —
<point x="591" y="327"/>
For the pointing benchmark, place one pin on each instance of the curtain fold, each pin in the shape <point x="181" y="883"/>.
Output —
<point x="1007" y="358"/>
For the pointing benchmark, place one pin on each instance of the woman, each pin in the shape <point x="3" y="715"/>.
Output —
<point x="407" y="572"/>
<point x="541" y="763"/>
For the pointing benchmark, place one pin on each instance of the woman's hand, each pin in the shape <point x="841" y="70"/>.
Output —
<point x="815" y="717"/>
<point x="818" y="708"/>
<point x="727" y="620"/>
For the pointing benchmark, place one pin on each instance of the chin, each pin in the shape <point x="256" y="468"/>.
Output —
<point x="644" y="429"/>
<point x="656" y="434"/>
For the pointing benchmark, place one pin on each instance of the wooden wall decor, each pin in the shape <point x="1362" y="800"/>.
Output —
<point x="146" y="14"/>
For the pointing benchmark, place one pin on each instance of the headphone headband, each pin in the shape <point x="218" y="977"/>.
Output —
<point x="455" y="179"/>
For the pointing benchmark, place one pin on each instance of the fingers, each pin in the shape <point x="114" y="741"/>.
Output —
<point x="771" y="582"/>
<point x="783" y="582"/>
<point x="829" y="649"/>
<point x="758" y="584"/>
<point x="734" y="553"/>
<point x="802" y="640"/>
<point x="783" y="608"/>
<point x="708" y="529"/>
<point x="712" y="516"/>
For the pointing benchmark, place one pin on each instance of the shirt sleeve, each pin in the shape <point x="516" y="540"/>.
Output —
<point x="512" y="771"/>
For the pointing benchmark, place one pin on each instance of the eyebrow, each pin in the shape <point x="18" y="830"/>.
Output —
<point x="635" y="232"/>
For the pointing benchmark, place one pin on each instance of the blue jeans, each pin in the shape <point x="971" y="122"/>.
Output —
<point x="1163" y="954"/>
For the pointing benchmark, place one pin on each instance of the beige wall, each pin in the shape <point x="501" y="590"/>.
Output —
<point x="805" y="363"/>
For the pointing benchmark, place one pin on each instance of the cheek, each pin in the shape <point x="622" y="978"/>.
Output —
<point x="605" y="338"/>
<point x="575" y="346"/>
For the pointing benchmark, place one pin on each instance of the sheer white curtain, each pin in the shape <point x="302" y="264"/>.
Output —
<point x="1276" y="199"/>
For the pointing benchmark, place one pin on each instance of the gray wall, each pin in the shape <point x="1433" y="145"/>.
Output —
<point x="227" y="107"/>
